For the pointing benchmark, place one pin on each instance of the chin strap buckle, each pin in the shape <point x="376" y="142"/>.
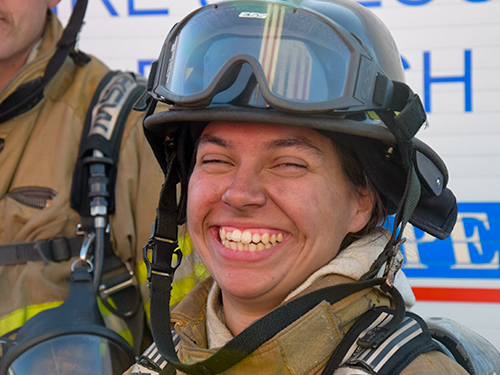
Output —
<point x="165" y="255"/>
<point x="393" y="266"/>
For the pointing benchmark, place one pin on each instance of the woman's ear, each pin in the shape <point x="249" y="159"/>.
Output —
<point x="364" y="208"/>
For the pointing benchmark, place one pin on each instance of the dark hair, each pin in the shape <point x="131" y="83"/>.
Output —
<point x="357" y="178"/>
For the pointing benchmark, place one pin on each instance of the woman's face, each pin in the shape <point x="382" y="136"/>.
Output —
<point x="267" y="206"/>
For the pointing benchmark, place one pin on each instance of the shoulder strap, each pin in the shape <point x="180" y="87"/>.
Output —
<point x="54" y="250"/>
<point x="28" y="95"/>
<point x="410" y="339"/>
<point x="103" y="131"/>
<point x="151" y="362"/>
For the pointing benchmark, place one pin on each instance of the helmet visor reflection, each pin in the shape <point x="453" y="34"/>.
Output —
<point x="299" y="60"/>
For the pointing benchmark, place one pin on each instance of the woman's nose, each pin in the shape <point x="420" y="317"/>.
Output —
<point x="245" y="190"/>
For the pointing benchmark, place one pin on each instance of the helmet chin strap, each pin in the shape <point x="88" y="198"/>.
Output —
<point x="29" y="94"/>
<point x="403" y="126"/>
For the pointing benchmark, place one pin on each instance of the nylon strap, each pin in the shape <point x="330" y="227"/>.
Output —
<point x="403" y="126"/>
<point x="32" y="94"/>
<point x="252" y="337"/>
<point x="55" y="250"/>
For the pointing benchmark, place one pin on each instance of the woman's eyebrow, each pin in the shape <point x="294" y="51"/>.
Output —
<point x="212" y="139"/>
<point x="298" y="142"/>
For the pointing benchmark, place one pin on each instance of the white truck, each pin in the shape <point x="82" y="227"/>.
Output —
<point x="451" y="52"/>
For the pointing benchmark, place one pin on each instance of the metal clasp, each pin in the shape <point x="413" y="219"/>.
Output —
<point x="394" y="265"/>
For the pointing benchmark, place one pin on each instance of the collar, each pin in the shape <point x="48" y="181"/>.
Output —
<point x="352" y="262"/>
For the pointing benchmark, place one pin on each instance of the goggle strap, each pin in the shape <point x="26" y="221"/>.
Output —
<point x="152" y="75"/>
<point x="411" y="114"/>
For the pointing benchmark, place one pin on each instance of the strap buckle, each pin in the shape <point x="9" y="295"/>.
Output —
<point x="166" y="255"/>
<point x="55" y="250"/>
<point x="394" y="265"/>
<point x="117" y="284"/>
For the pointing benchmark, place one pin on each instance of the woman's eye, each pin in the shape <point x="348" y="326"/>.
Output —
<point x="290" y="168"/>
<point x="292" y="165"/>
<point x="213" y="161"/>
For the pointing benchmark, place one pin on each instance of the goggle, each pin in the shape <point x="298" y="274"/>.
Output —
<point x="290" y="58"/>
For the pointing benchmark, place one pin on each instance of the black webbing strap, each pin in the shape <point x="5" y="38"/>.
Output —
<point x="31" y="93"/>
<point x="251" y="338"/>
<point x="54" y="250"/>
<point x="403" y="126"/>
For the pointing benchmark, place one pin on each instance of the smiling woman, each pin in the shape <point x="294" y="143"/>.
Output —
<point x="279" y="181"/>
<point x="285" y="182"/>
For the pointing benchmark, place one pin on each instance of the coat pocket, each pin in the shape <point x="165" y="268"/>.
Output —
<point x="32" y="196"/>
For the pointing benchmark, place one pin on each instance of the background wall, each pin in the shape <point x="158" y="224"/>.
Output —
<point x="451" y="53"/>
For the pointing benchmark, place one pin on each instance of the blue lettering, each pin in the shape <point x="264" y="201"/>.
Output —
<point x="112" y="11"/>
<point x="466" y="79"/>
<point x="203" y="2"/>
<point x="132" y="11"/>
<point x="414" y="2"/>
<point x="143" y="67"/>
<point x="472" y="250"/>
<point x="110" y="8"/>
<point x="406" y="64"/>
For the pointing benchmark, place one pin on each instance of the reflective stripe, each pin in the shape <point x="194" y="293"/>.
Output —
<point x="17" y="318"/>
<point x="114" y="322"/>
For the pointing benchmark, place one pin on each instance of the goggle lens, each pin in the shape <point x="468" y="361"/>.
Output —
<point x="295" y="57"/>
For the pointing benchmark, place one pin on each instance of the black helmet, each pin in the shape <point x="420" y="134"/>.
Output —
<point x="331" y="65"/>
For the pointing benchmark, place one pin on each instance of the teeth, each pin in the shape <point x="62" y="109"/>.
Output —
<point x="236" y="235"/>
<point x="246" y="237"/>
<point x="273" y="239"/>
<point x="255" y="238"/>
<point x="246" y="241"/>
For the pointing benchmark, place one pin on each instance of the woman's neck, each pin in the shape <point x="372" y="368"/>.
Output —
<point x="239" y="314"/>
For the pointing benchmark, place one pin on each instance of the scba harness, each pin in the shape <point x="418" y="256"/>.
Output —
<point x="73" y="337"/>
<point x="413" y="337"/>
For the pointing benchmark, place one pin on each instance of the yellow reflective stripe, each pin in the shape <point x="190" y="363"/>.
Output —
<point x="185" y="244"/>
<point x="182" y="287"/>
<point x="114" y="322"/>
<point x="17" y="318"/>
